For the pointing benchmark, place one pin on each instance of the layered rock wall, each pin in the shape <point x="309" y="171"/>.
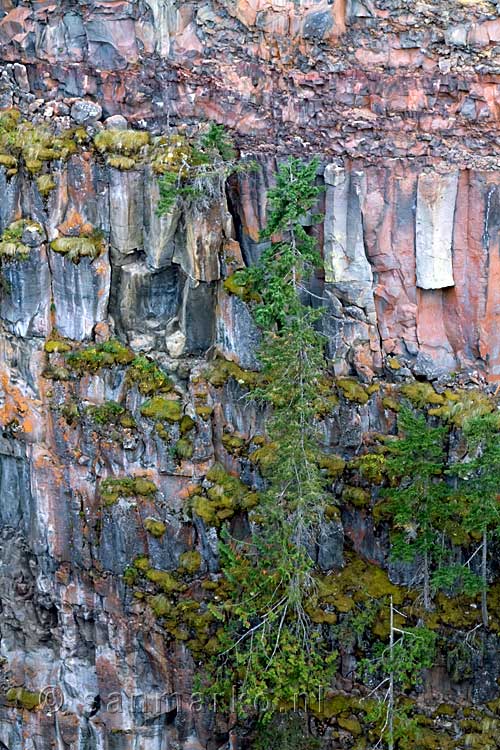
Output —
<point x="401" y="104"/>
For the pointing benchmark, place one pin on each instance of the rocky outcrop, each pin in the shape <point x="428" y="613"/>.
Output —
<point x="401" y="105"/>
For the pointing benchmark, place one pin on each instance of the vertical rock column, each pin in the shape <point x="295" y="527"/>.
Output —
<point x="351" y="326"/>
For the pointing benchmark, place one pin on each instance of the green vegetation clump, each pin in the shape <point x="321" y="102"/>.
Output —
<point x="356" y="496"/>
<point x="22" y="141"/>
<point x="159" y="409"/>
<point x="223" y="499"/>
<point x="56" y="346"/>
<point x="109" y="354"/>
<point x="110" y="413"/>
<point x="184" y="448"/>
<point x="122" y="147"/>
<point x="370" y="466"/>
<point x="333" y="466"/>
<point x="422" y="395"/>
<point x="462" y="405"/>
<point x="223" y="369"/>
<point x="12" y="247"/>
<point x="147" y="376"/>
<point x="353" y="391"/>
<point x="76" y="248"/>
<point x="45" y="184"/>
<point x="155" y="527"/>
<point x="112" y="489"/>
<point x="190" y="561"/>
<point x="23" y="698"/>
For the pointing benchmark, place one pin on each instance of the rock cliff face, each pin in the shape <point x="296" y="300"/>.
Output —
<point x="401" y="101"/>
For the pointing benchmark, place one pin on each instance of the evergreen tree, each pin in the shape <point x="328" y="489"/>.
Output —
<point x="480" y="485"/>
<point x="271" y="642"/>
<point x="420" y="502"/>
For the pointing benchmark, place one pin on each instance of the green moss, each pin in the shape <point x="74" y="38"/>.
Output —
<point x="160" y="605"/>
<point x="159" y="408"/>
<point x="222" y="370"/>
<point x="147" y="376"/>
<point x="421" y="395"/>
<point x="155" y="527"/>
<point x="264" y="457"/>
<point x="350" y="724"/>
<point x="205" y="412"/>
<point x="25" y="699"/>
<point x="233" y="442"/>
<point x="332" y="465"/>
<point x="186" y="424"/>
<point x="390" y="403"/>
<point x="460" y="405"/>
<point x="109" y="354"/>
<point x="352" y="390"/>
<point x="45" y="184"/>
<point x="235" y="284"/>
<point x="190" y="561"/>
<point x="121" y="162"/>
<point x="164" y="580"/>
<point x="354" y="584"/>
<point x="56" y="346"/>
<point x="112" y="489"/>
<point x="12" y="247"/>
<point x="226" y="497"/>
<point x="356" y="496"/>
<point x="121" y="142"/>
<point x="142" y="563"/>
<point x="76" y="248"/>
<point x="371" y="466"/>
<point x="184" y="448"/>
<point x="130" y="576"/>
<point x="25" y="141"/>
<point x="8" y="161"/>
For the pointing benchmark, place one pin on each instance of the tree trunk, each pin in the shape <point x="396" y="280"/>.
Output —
<point x="390" y="717"/>
<point x="427" y="587"/>
<point x="484" y="576"/>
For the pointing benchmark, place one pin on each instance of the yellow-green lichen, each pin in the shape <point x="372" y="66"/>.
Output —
<point x="148" y="377"/>
<point x="45" y="184"/>
<point x="76" y="248"/>
<point x="353" y="391"/>
<point x="224" y="498"/>
<point x="421" y="395"/>
<point x="93" y="358"/>
<point x="113" y="488"/>
<point x="23" y="698"/>
<point x="155" y="527"/>
<point x="159" y="408"/>
<point x="190" y="561"/>
<point x="222" y="370"/>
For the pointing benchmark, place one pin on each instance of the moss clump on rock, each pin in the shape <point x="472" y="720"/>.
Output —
<point x="56" y="346"/>
<point x="356" y="496"/>
<point x="112" y="489"/>
<point x="155" y="527"/>
<point x="148" y="377"/>
<point x="222" y="370"/>
<point x="93" y="358"/>
<point x="45" y="184"/>
<point x="159" y="408"/>
<point x="110" y="413"/>
<point x="371" y="466"/>
<point x="122" y="148"/>
<point x="12" y="247"/>
<point x="460" y="405"/>
<point x="223" y="499"/>
<point x="76" y="248"/>
<point x="165" y="580"/>
<point x="332" y="465"/>
<point x="184" y="448"/>
<point x="421" y="395"/>
<point x="353" y="391"/>
<point x="190" y="561"/>
<point x="26" y="699"/>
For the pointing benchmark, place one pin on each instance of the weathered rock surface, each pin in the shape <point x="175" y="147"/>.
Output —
<point x="402" y="106"/>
